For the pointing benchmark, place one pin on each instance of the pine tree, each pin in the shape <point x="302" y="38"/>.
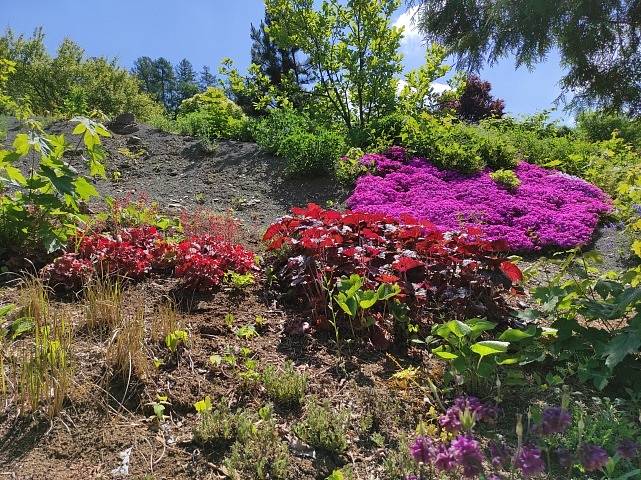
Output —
<point x="186" y="85"/>
<point x="206" y="78"/>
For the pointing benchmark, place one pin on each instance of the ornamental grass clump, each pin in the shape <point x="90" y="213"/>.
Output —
<point x="549" y="209"/>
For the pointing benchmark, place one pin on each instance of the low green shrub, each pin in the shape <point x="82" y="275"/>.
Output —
<point x="312" y="153"/>
<point x="216" y="425"/>
<point x="258" y="451"/>
<point x="284" y="386"/>
<point x="456" y="146"/>
<point x="280" y="123"/>
<point x="212" y="115"/>
<point x="507" y="178"/>
<point x="323" y="427"/>
<point x="308" y="148"/>
<point x="599" y="126"/>
<point x="349" y="168"/>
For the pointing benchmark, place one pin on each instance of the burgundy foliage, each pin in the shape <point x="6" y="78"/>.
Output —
<point x="454" y="274"/>
<point x="476" y="102"/>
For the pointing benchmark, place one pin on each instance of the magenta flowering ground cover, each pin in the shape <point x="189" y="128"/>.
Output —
<point x="548" y="209"/>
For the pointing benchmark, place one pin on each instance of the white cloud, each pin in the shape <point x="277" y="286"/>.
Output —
<point x="412" y="42"/>
<point x="438" y="87"/>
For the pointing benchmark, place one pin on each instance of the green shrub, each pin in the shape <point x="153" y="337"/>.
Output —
<point x="286" y="386"/>
<point x="69" y="83"/>
<point x="258" y="452"/>
<point x="216" y="426"/>
<point x="348" y="168"/>
<point x="278" y="125"/>
<point x="507" y="178"/>
<point x="212" y="115"/>
<point x="323" y="427"/>
<point x="311" y="153"/>
<point x="599" y="126"/>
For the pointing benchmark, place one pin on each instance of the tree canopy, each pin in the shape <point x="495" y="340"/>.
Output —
<point x="598" y="40"/>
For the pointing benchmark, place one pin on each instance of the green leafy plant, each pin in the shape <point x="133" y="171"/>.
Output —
<point x="159" y="406"/>
<point x="323" y="427"/>
<point x="258" y="451"/>
<point x="247" y="332"/>
<point x="605" y="345"/>
<point x="238" y="280"/>
<point x="475" y="361"/>
<point x="45" y="206"/>
<point x="355" y="300"/>
<point x="507" y="178"/>
<point x="284" y="386"/>
<point x="175" y="339"/>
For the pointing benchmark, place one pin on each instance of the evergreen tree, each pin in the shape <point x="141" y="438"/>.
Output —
<point x="186" y="85"/>
<point x="599" y="41"/>
<point x="206" y="79"/>
<point x="157" y="78"/>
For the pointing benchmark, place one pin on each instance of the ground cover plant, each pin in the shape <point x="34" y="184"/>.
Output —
<point x="546" y="209"/>
<point x="201" y="261"/>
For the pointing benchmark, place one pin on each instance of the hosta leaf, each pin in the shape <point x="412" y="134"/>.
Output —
<point x="515" y="335"/>
<point x="458" y="328"/>
<point x="489" y="347"/>
<point x="444" y="354"/>
<point x="367" y="299"/>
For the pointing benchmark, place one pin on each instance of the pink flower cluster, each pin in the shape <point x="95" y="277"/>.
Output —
<point x="548" y="209"/>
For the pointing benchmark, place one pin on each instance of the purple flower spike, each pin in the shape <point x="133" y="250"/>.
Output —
<point x="530" y="461"/>
<point x="423" y="449"/>
<point x="468" y="455"/>
<point x="628" y="449"/>
<point x="500" y="454"/>
<point x="593" y="457"/>
<point x="444" y="460"/>
<point x="555" y="420"/>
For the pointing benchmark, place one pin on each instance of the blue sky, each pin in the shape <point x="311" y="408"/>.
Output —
<point x="205" y="31"/>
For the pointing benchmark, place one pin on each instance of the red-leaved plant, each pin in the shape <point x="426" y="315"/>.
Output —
<point x="134" y="253"/>
<point x="452" y="275"/>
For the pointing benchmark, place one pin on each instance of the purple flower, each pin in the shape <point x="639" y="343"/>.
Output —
<point x="530" y="461"/>
<point x="593" y="457"/>
<point x="565" y="457"/>
<point x="500" y="454"/>
<point x="423" y="449"/>
<point x="548" y="210"/>
<point x="494" y="476"/>
<point x="555" y="420"/>
<point x="444" y="459"/>
<point x="451" y="420"/>
<point x="411" y="477"/>
<point x="468" y="456"/>
<point x="628" y="449"/>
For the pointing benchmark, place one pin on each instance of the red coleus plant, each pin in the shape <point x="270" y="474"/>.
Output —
<point x="454" y="274"/>
<point x="134" y="253"/>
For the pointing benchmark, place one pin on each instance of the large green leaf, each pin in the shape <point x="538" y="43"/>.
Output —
<point x="367" y="299"/>
<point x="515" y="335"/>
<point x="622" y="345"/>
<point x="489" y="347"/>
<point x="84" y="189"/>
<point x="387" y="291"/>
<point x="444" y="354"/>
<point x="348" y="304"/>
